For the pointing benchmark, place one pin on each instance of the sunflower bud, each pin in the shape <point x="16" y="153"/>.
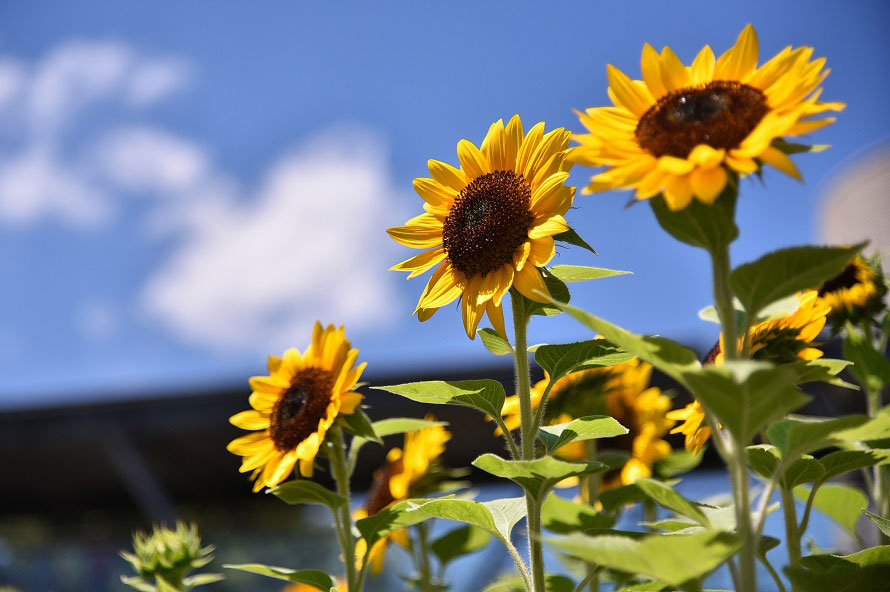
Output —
<point x="165" y="557"/>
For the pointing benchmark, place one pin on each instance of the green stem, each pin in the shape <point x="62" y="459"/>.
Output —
<point x="527" y="440"/>
<point x="423" y="567"/>
<point x="337" y="454"/>
<point x="772" y="571"/>
<point x="723" y="301"/>
<point x="879" y="482"/>
<point x="539" y="412"/>
<point x="792" y="534"/>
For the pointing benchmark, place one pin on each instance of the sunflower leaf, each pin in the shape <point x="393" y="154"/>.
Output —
<point x="495" y="343"/>
<point x="558" y="290"/>
<point x="870" y="367"/>
<point x="358" y="424"/>
<point x="460" y="541"/>
<point x="496" y="516"/>
<point x="664" y="496"/>
<point x="560" y="360"/>
<point x="536" y="476"/>
<point x="842" y="503"/>
<point x="580" y="273"/>
<point x="311" y="577"/>
<point x="486" y="396"/>
<point x="785" y="272"/>
<point x="763" y="459"/>
<point x="709" y="227"/>
<point x="573" y="238"/>
<point x="865" y="571"/>
<point x="563" y="516"/>
<point x="882" y="523"/>
<point x="822" y="370"/>
<point x="799" y="435"/>
<point x="583" y="428"/>
<point x="843" y="461"/>
<point x="803" y="470"/>
<point x="301" y="491"/>
<point x="390" y="519"/>
<point x="674" y="559"/>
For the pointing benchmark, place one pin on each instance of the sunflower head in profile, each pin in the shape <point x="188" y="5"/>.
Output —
<point x="295" y="405"/>
<point x="622" y="392"/>
<point x="685" y="131"/>
<point x="780" y="341"/>
<point x="489" y="225"/>
<point x="856" y="294"/>
<point x="408" y="472"/>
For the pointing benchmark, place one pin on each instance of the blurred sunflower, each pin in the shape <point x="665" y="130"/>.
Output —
<point x="682" y="129"/>
<point x="781" y="341"/>
<point x="490" y="224"/>
<point x="341" y="587"/>
<point x="856" y="293"/>
<point x="403" y="476"/>
<point x="295" y="405"/>
<point x="621" y="391"/>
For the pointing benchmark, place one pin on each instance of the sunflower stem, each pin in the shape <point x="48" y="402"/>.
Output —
<point x="527" y="438"/>
<point x="425" y="574"/>
<point x="344" y="520"/>
<point x="879" y="484"/>
<point x="792" y="534"/>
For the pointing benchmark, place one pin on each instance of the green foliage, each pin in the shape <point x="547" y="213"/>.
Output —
<point x="798" y="435"/>
<point x="882" y="523"/>
<point x="746" y="395"/>
<point x="842" y="503"/>
<point x="709" y="227"/>
<point x="562" y="516"/>
<point x="580" y="273"/>
<point x="509" y="583"/>
<point x="498" y="517"/>
<point x="494" y="343"/>
<point x="460" y="541"/>
<point x="842" y="461"/>
<point x="536" y="476"/>
<point x="163" y="558"/>
<point x="865" y="571"/>
<point x="677" y="462"/>
<point x="558" y="290"/>
<point x="556" y="436"/>
<point x="359" y="425"/>
<point x="560" y="360"/>
<point x="785" y="272"/>
<point x="803" y="470"/>
<point x="664" y="496"/>
<point x="822" y="370"/>
<point x="312" y="577"/>
<point x="571" y="237"/>
<point x="673" y="559"/>
<point x="390" y="519"/>
<point x="301" y="491"/>
<point x="870" y="367"/>
<point x="486" y="396"/>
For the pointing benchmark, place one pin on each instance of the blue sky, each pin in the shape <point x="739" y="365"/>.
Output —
<point x="184" y="186"/>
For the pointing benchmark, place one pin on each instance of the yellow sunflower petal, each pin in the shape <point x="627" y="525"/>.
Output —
<point x="447" y="175"/>
<point x="779" y="160"/>
<point x="702" y="70"/>
<point x="548" y="227"/>
<point x="650" y="64"/>
<point x="496" y="317"/>
<point x="472" y="162"/>
<point x="708" y="183"/>
<point x="530" y="284"/>
<point x="250" y="420"/>
<point x="494" y="147"/>
<point x="741" y="59"/>
<point x="627" y="94"/>
<point x="673" y="73"/>
<point x="422" y="263"/>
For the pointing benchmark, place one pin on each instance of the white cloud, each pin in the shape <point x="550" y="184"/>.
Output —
<point x="307" y="245"/>
<point x="97" y="321"/>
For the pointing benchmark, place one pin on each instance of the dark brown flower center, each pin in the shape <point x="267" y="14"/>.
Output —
<point x="848" y="278"/>
<point x="488" y="220"/>
<point x="299" y="409"/>
<point x="720" y="114"/>
<point x="379" y="496"/>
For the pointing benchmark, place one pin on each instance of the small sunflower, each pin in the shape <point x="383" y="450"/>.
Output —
<point x="682" y="129"/>
<point x="781" y="341"/>
<point x="856" y="293"/>
<point x="295" y="405"/>
<point x="402" y="477"/>
<point x="621" y="391"/>
<point x="490" y="224"/>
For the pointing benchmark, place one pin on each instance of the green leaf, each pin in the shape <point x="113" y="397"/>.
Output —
<point x="560" y="360"/>
<point x="558" y="290"/>
<point x="798" y="435"/>
<point x="822" y="370"/>
<point x="870" y="367"/>
<point x="615" y="498"/>
<point x="485" y="395"/>
<point x="763" y="459"/>
<point x="312" y="577"/>
<point x="511" y="583"/>
<point x="580" y="273"/>
<point x="671" y="358"/>
<point x="882" y="523"/>
<point x="563" y="516"/>
<point x="842" y="503"/>
<point x="785" y="272"/>
<point x="301" y="491"/>
<point x="706" y="226"/>
<point x="202" y="580"/>
<point x="766" y="544"/>
<point x="865" y="571"/>
<point x="137" y="583"/>
<point x="360" y="425"/>
<point x="390" y="519"/>
<point x="803" y="470"/>
<point x="674" y="559"/>
<point x="536" y="476"/>
<point x="571" y="237"/>
<point x="583" y="428"/>
<point x="497" y="516"/>
<point x="494" y="343"/>
<point x="745" y="395"/>
<point x="677" y="463"/>
<point x="842" y="461"/>
<point x="460" y="541"/>
<point x="666" y="497"/>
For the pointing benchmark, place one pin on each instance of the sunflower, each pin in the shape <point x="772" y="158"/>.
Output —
<point x="340" y="587"/>
<point x="400" y="478"/>
<point x="621" y="391"/>
<point x="489" y="225"/>
<point x="295" y="405"/>
<point x="682" y="129"/>
<point x="856" y="293"/>
<point x="782" y="341"/>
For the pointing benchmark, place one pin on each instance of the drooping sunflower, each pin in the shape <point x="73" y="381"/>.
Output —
<point x="490" y="224"/>
<point x="856" y="293"/>
<point x="682" y="129"/>
<point x="621" y="391"/>
<point x="781" y="341"/>
<point x="295" y="405"/>
<point x="403" y="476"/>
